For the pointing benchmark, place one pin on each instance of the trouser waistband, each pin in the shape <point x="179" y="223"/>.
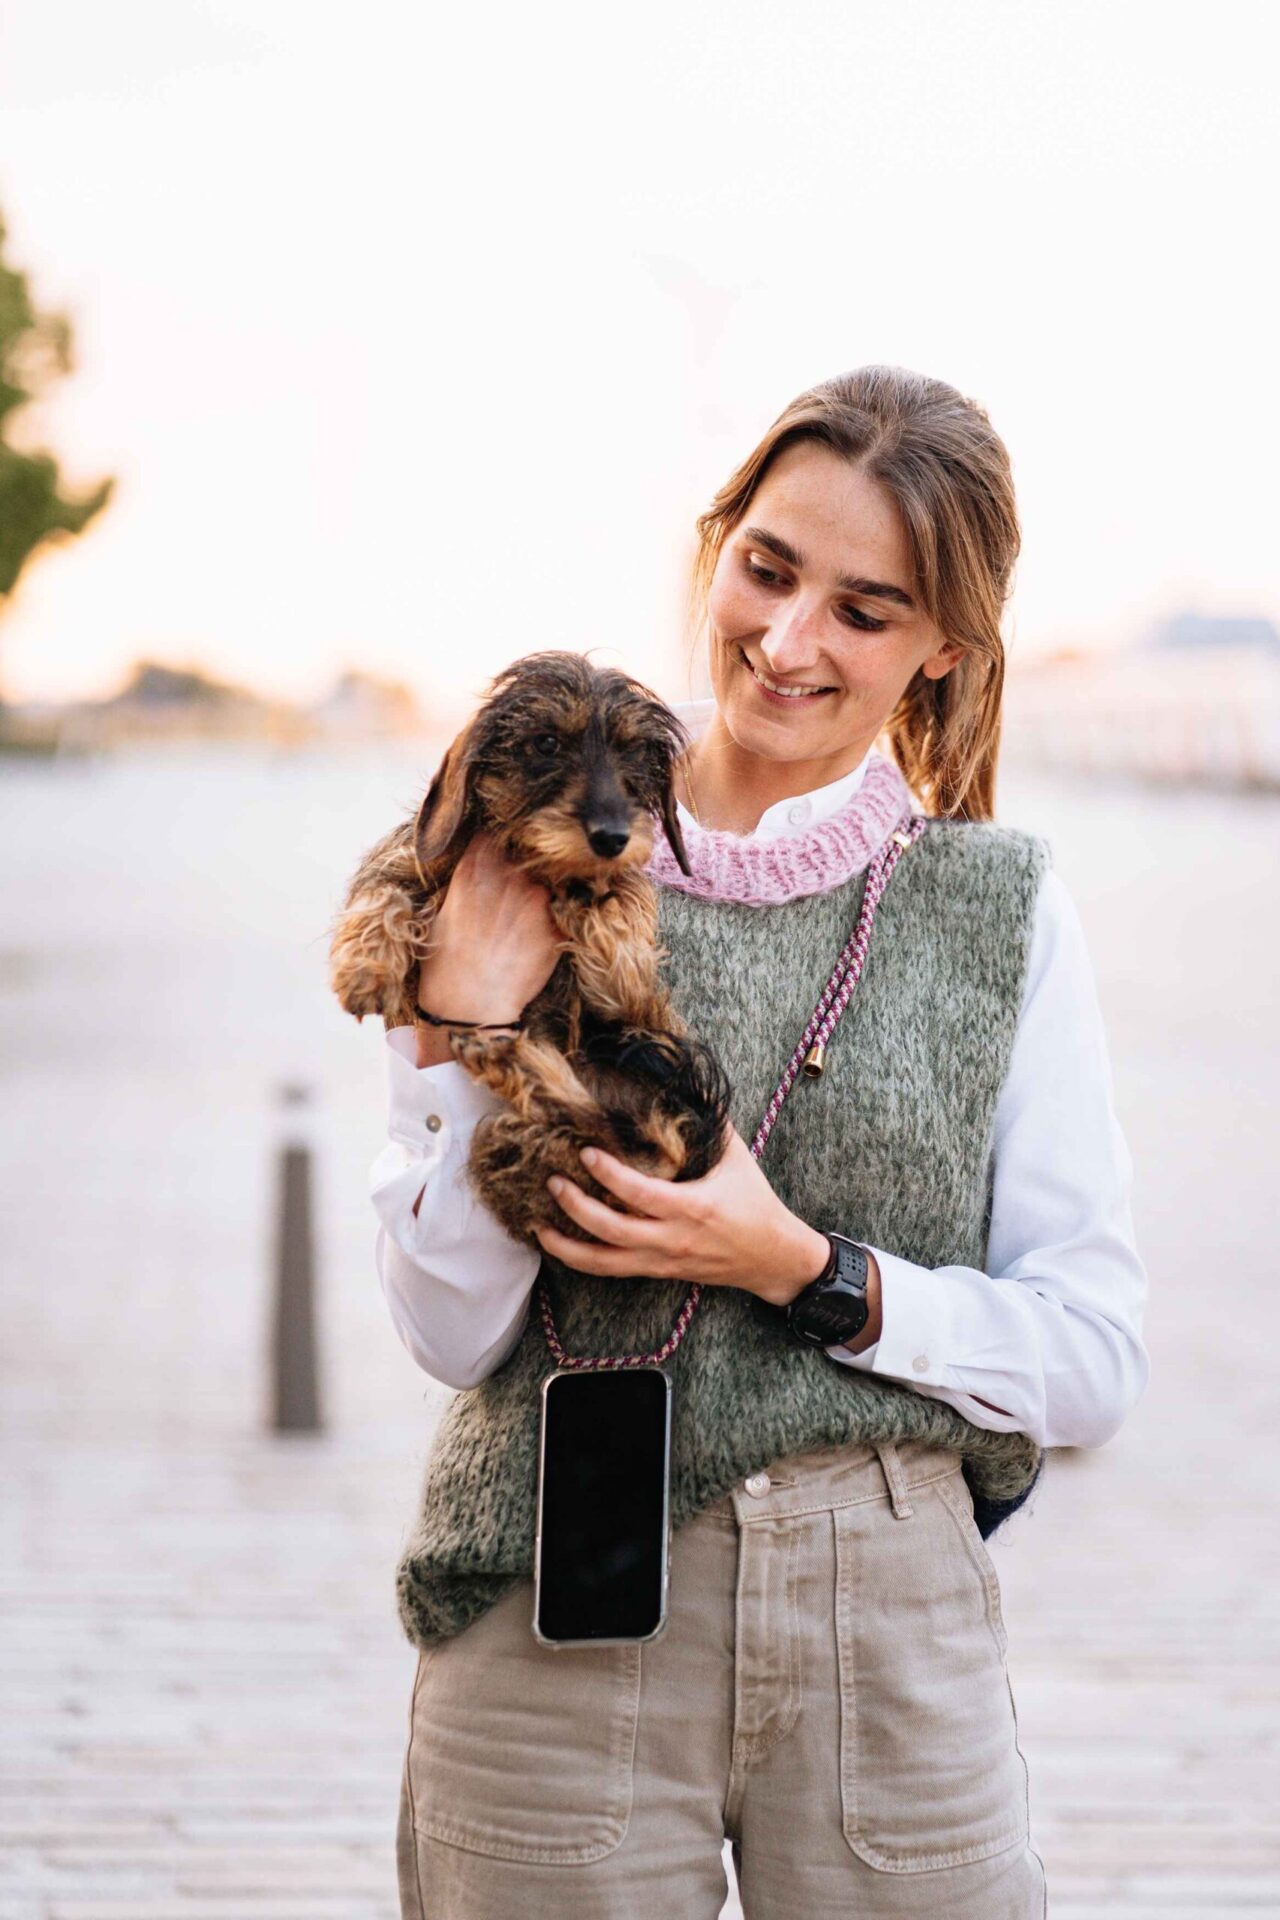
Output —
<point x="833" y="1477"/>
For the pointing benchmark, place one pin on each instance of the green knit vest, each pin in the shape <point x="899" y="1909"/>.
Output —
<point x="892" y="1146"/>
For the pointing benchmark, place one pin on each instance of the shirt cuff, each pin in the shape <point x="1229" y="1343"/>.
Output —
<point x="430" y="1104"/>
<point x="914" y="1325"/>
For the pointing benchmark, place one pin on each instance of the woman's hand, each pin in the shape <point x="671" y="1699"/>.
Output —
<point x="494" y="946"/>
<point x="728" y="1229"/>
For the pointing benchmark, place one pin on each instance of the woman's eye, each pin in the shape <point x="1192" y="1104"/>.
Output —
<point x="863" y="620"/>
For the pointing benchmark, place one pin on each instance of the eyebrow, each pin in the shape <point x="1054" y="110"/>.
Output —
<point x="848" y="582"/>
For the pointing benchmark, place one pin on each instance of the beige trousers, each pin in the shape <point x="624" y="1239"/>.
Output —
<point x="830" y="1694"/>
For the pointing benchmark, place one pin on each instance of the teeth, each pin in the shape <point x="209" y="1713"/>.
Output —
<point x="788" y="693"/>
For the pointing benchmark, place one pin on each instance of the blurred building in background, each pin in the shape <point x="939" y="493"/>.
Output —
<point x="1197" y="698"/>
<point x="361" y="707"/>
<point x="162" y="704"/>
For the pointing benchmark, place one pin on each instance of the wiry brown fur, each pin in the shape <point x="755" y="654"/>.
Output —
<point x="602" y="1059"/>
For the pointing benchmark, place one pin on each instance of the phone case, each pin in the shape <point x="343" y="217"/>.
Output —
<point x="636" y="1640"/>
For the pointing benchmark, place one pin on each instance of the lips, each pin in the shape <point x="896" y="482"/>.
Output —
<point x="777" y="687"/>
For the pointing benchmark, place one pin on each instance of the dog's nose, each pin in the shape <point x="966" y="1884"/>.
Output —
<point x="608" y="842"/>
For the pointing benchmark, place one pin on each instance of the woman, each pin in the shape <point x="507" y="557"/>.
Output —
<point x="831" y="1692"/>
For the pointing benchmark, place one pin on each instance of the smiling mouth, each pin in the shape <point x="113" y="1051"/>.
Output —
<point x="776" y="686"/>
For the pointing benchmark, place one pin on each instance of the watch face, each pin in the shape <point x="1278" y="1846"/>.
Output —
<point x="833" y="1317"/>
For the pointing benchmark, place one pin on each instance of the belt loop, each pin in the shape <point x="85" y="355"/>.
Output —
<point x="895" y="1479"/>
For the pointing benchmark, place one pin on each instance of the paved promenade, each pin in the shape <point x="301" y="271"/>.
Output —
<point x="203" y="1687"/>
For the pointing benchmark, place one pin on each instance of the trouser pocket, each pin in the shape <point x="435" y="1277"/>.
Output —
<point x="519" y="1751"/>
<point x="930" y="1771"/>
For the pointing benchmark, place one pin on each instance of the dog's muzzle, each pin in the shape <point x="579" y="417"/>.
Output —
<point x="606" y="838"/>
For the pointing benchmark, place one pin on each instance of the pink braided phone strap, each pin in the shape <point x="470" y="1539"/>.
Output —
<point x="816" y="1036"/>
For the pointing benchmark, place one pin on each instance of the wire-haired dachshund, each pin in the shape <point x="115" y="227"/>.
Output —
<point x="567" y="766"/>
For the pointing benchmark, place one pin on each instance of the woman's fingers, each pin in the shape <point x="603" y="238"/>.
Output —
<point x="659" y="1199"/>
<point x="615" y="1263"/>
<point x="606" y="1223"/>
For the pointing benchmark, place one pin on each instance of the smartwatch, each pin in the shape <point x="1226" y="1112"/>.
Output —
<point x="833" y="1308"/>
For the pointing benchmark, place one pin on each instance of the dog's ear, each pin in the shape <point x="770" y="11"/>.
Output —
<point x="671" y="827"/>
<point x="448" y="815"/>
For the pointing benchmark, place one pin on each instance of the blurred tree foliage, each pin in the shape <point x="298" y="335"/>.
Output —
<point x="35" y="351"/>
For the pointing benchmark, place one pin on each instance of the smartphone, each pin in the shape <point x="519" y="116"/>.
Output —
<point x="603" y="1547"/>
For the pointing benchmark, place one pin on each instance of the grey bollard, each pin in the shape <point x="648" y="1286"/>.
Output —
<point x="294" y="1371"/>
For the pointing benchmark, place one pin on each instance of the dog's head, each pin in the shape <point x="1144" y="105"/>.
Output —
<point x="567" y="765"/>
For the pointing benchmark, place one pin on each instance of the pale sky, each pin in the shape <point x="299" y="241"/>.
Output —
<point x="418" y="335"/>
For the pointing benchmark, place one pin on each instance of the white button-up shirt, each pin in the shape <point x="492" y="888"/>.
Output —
<point x="1048" y="1341"/>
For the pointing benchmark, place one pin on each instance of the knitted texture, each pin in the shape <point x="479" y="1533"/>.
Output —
<point x="732" y="866"/>
<point x="892" y="1145"/>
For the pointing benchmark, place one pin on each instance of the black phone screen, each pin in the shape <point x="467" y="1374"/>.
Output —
<point x="602" y="1555"/>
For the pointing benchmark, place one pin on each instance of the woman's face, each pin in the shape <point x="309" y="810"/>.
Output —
<point x="813" y="591"/>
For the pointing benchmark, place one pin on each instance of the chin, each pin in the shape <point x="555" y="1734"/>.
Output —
<point x="758" y="735"/>
<point x="770" y="732"/>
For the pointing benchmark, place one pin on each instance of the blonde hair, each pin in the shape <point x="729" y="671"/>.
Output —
<point x="942" y="461"/>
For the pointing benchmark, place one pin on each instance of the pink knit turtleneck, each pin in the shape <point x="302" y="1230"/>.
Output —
<point x="762" y="873"/>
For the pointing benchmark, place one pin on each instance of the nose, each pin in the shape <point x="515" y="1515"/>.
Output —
<point x="607" y="839"/>
<point x="791" y="643"/>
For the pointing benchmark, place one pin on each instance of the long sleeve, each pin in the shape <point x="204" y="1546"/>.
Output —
<point x="1053" y="1333"/>
<point x="456" y="1282"/>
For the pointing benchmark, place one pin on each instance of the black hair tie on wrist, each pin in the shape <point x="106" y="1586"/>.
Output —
<point x="473" y="1026"/>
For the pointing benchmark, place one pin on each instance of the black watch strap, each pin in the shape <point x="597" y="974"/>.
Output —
<point x="833" y="1308"/>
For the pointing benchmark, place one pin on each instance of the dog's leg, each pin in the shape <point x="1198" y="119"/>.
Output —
<point x="382" y="932"/>
<point x="526" y="1074"/>
<point x="374" y="952"/>
<point x="616" y="954"/>
<point x="510" y="1163"/>
<point x="550" y="1115"/>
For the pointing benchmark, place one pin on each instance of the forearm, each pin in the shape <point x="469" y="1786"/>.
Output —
<point x="456" y="1283"/>
<point x="459" y="1309"/>
<point x="1048" y="1350"/>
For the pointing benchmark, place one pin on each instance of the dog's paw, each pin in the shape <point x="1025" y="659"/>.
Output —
<point x="488" y="1058"/>
<point x="359" y="996"/>
<point x="374" y="954"/>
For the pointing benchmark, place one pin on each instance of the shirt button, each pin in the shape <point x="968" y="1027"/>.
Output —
<point x="921" y="1363"/>
<point x="757" y="1484"/>
<point x="799" y="813"/>
<point x="434" y="1123"/>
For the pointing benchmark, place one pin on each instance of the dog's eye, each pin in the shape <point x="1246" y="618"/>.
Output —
<point x="545" y="744"/>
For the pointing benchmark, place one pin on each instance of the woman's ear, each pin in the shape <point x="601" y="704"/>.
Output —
<point x="448" y="815"/>
<point x="940" y="663"/>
